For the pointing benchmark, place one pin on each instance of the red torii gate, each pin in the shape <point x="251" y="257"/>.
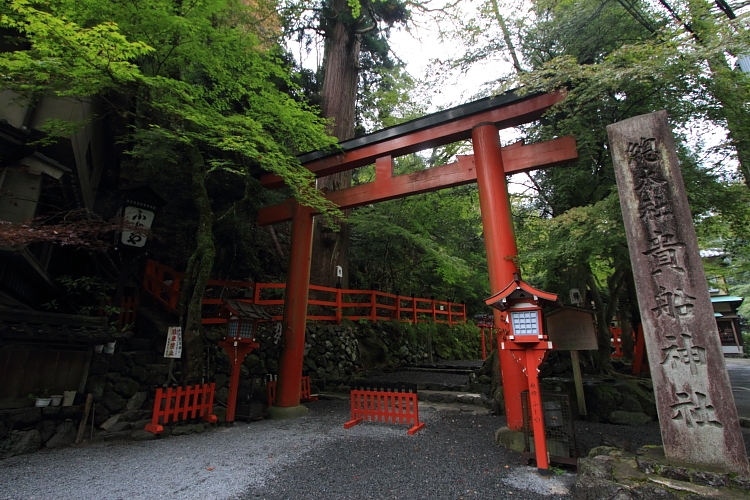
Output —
<point x="479" y="121"/>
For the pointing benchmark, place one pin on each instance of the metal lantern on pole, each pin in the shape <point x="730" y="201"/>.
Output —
<point x="522" y="307"/>
<point x="242" y="322"/>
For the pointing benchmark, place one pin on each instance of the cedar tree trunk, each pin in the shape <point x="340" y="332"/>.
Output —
<point x="339" y="93"/>
<point x="197" y="274"/>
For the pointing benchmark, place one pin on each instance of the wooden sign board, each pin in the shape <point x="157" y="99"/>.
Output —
<point x="571" y="329"/>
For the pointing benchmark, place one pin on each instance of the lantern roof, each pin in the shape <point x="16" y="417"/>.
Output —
<point x="519" y="289"/>
<point x="243" y="310"/>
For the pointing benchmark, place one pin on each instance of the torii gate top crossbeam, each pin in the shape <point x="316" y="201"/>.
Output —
<point x="452" y="125"/>
<point x="441" y="128"/>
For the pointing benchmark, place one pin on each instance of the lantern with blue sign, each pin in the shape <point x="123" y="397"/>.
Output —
<point x="521" y="305"/>
<point x="242" y="320"/>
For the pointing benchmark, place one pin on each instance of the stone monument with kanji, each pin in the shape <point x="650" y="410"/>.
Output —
<point x="697" y="413"/>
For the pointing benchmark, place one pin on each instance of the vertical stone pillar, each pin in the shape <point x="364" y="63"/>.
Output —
<point x="295" y="317"/>
<point x="697" y="414"/>
<point x="500" y="240"/>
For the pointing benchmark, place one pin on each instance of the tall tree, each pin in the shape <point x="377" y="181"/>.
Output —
<point x="203" y="96"/>
<point x="355" y="41"/>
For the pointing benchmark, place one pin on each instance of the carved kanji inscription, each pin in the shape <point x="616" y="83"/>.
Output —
<point x="697" y="415"/>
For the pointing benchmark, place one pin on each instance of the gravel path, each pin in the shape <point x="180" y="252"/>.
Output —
<point x="311" y="457"/>
<point x="454" y="457"/>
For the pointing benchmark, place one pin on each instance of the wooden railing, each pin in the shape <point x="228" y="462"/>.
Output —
<point x="163" y="284"/>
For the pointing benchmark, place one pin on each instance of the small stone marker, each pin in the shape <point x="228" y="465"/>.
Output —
<point x="697" y="414"/>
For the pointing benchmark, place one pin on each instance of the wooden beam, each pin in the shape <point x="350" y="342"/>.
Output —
<point x="510" y="115"/>
<point x="516" y="158"/>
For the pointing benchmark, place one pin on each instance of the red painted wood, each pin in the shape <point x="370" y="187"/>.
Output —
<point x="237" y="350"/>
<point x="518" y="158"/>
<point x="509" y="116"/>
<point x="616" y="342"/>
<point x="502" y="253"/>
<point x="305" y="391"/>
<point x="456" y="313"/>
<point x="180" y="404"/>
<point x="295" y="309"/>
<point x="385" y="406"/>
<point x="534" y="358"/>
<point x="639" y="351"/>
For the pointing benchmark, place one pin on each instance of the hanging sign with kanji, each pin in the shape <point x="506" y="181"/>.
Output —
<point x="136" y="218"/>
<point x="173" y="349"/>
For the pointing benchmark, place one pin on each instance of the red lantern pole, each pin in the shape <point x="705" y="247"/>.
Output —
<point x="530" y="356"/>
<point x="295" y="315"/>
<point x="500" y="240"/>
<point x="237" y="350"/>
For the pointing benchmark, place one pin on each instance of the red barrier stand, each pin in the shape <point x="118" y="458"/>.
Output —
<point x="182" y="403"/>
<point x="385" y="406"/>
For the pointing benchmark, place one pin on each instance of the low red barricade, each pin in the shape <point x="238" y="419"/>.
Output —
<point x="390" y="403"/>
<point x="182" y="403"/>
<point x="304" y="395"/>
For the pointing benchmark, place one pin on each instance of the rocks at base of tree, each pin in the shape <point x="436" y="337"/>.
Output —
<point x="113" y="401"/>
<point x="141" y="435"/>
<point x="620" y="417"/>
<point x="136" y="401"/>
<point x="64" y="436"/>
<point x="21" y="442"/>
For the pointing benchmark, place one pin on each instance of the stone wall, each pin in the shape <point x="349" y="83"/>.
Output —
<point x="123" y="384"/>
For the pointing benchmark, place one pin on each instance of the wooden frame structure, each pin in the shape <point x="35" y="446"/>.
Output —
<point x="479" y="121"/>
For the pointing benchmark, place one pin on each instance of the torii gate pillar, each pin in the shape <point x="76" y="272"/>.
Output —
<point x="287" y="402"/>
<point x="502" y="252"/>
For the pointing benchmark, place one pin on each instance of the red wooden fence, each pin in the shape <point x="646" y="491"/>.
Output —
<point x="164" y="283"/>
<point x="181" y="403"/>
<point x="385" y="406"/>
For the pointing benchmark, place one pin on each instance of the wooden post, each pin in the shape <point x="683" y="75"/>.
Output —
<point x="339" y="309"/>
<point x="697" y="414"/>
<point x="84" y="418"/>
<point x="578" y="380"/>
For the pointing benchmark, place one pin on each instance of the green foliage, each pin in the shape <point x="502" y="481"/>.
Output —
<point x="426" y="245"/>
<point x="192" y="75"/>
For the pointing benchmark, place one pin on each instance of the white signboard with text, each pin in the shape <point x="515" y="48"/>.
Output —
<point x="139" y="218"/>
<point x="173" y="349"/>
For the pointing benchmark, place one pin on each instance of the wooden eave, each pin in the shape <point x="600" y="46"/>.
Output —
<point x="544" y="298"/>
